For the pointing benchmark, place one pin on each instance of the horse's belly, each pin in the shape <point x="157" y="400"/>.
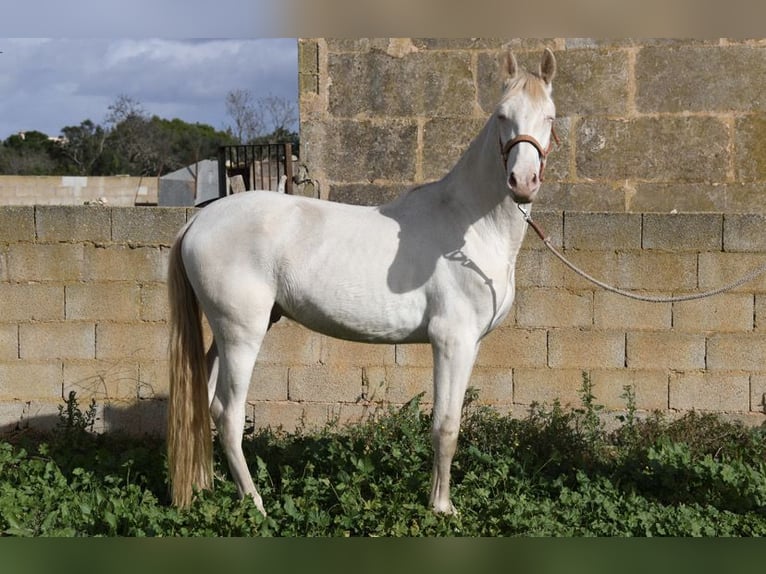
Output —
<point x="362" y="316"/>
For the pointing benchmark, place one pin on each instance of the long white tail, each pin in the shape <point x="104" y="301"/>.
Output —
<point x="190" y="457"/>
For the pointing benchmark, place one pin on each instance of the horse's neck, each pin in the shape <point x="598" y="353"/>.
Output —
<point x="477" y="183"/>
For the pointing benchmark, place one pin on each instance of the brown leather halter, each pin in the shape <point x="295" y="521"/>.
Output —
<point x="506" y="149"/>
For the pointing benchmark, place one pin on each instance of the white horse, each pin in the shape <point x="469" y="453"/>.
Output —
<point x="436" y="265"/>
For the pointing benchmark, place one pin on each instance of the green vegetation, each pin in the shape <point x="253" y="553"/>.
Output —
<point x="553" y="473"/>
<point x="131" y="142"/>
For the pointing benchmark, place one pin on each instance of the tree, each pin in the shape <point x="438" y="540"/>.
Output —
<point x="83" y="146"/>
<point x="27" y="153"/>
<point x="253" y="118"/>
<point x="281" y="113"/>
<point x="247" y="117"/>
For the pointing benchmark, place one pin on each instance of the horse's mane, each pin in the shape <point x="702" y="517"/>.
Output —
<point x="530" y="82"/>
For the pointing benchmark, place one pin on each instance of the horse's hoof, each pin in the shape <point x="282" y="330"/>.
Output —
<point x="445" y="510"/>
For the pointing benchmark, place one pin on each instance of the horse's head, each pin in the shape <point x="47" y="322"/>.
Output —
<point x="525" y="123"/>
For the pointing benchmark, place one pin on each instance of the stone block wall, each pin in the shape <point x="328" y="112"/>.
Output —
<point x="83" y="307"/>
<point x="646" y="125"/>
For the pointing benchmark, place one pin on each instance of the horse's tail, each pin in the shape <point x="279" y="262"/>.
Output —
<point x="190" y="458"/>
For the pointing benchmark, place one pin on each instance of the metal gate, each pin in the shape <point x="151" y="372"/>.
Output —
<point x="261" y="166"/>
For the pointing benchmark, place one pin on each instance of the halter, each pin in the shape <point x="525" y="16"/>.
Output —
<point x="505" y="150"/>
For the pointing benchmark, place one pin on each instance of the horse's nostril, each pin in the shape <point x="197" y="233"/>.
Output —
<point x="512" y="180"/>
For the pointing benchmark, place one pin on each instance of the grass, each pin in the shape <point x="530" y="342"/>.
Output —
<point x="556" y="472"/>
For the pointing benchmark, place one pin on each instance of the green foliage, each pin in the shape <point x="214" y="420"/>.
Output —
<point x="555" y="472"/>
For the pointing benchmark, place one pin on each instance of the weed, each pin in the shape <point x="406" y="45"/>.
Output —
<point x="555" y="472"/>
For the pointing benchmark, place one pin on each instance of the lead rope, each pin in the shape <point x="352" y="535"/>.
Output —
<point x="631" y="295"/>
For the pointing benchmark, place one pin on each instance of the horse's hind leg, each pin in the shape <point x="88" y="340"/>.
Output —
<point x="237" y="353"/>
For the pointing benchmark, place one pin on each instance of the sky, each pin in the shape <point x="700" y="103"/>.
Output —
<point x="49" y="83"/>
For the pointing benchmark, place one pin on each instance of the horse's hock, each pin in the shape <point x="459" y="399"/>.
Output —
<point x="646" y="129"/>
<point x="84" y="309"/>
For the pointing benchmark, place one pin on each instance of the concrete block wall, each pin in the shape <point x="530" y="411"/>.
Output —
<point x="117" y="191"/>
<point x="649" y="125"/>
<point x="83" y="308"/>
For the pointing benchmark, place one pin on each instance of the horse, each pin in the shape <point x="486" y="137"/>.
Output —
<point x="436" y="265"/>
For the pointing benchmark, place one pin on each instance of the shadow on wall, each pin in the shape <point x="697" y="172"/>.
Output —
<point x="137" y="418"/>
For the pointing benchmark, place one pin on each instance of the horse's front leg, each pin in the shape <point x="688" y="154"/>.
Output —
<point x="454" y="356"/>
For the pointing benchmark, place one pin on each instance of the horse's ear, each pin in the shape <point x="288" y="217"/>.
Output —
<point x="511" y="65"/>
<point x="548" y="66"/>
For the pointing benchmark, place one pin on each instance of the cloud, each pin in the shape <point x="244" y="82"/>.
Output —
<point x="46" y="84"/>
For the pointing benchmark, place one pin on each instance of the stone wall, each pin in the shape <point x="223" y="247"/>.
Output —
<point x="646" y="125"/>
<point x="83" y="308"/>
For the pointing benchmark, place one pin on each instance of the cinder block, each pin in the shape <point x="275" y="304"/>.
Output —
<point x="35" y="262"/>
<point x="665" y="148"/>
<point x="31" y="302"/>
<point x="744" y="232"/>
<point x="137" y="418"/>
<point x="27" y="380"/>
<point x="17" y="223"/>
<point x="758" y="393"/>
<point x="45" y="341"/>
<point x="710" y="391"/>
<point x="722" y="313"/>
<point x="287" y="343"/>
<point x="602" y="231"/>
<point x="665" y="350"/>
<point x="445" y="140"/>
<point x="42" y="415"/>
<point x="372" y="82"/>
<point x="591" y="81"/>
<point x="147" y="225"/>
<point x="495" y="386"/>
<point x="551" y="222"/>
<point x="662" y="197"/>
<point x="347" y="353"/>
<point x="601" y="265"/>
<point x="101" y="380"/>
<point x="133" y="341"/>
<point x="397" y="385"/>
<point x="11" y="415"/>
<point x="737" y="352"/>
<point x="9" y="342"/>
<point x="650" y="388"/>
<point x="749" y="148"/>
<point x="613" y="311"/>
<point x="683" y="79"/>
<point x="759" y="321"/>
<point x="683" y="231"/>
<point x="154" y="302"/>
<point x="508" y="348"/>
<point x="545" y="308"/>
<point x="325" y="383"/>
<point x="102" y="301"/>
<point x="383" y="152"/>
<point x="657" y="271"/>
<point x="122" y="263"/>
<point x="414" y="355"/>
<point x="544" y="386"/>
<point x="154" y="379"/>
<point x="268" y="383"/>
<point x="73" y="223"/>
<point x="535" y="268"/>
<point x="575" y="348"/>
<point x="719" y="269"/>
<point x="289" y="416"/>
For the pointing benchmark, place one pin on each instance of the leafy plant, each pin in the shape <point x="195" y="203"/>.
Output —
<point x="555" y="472"/>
